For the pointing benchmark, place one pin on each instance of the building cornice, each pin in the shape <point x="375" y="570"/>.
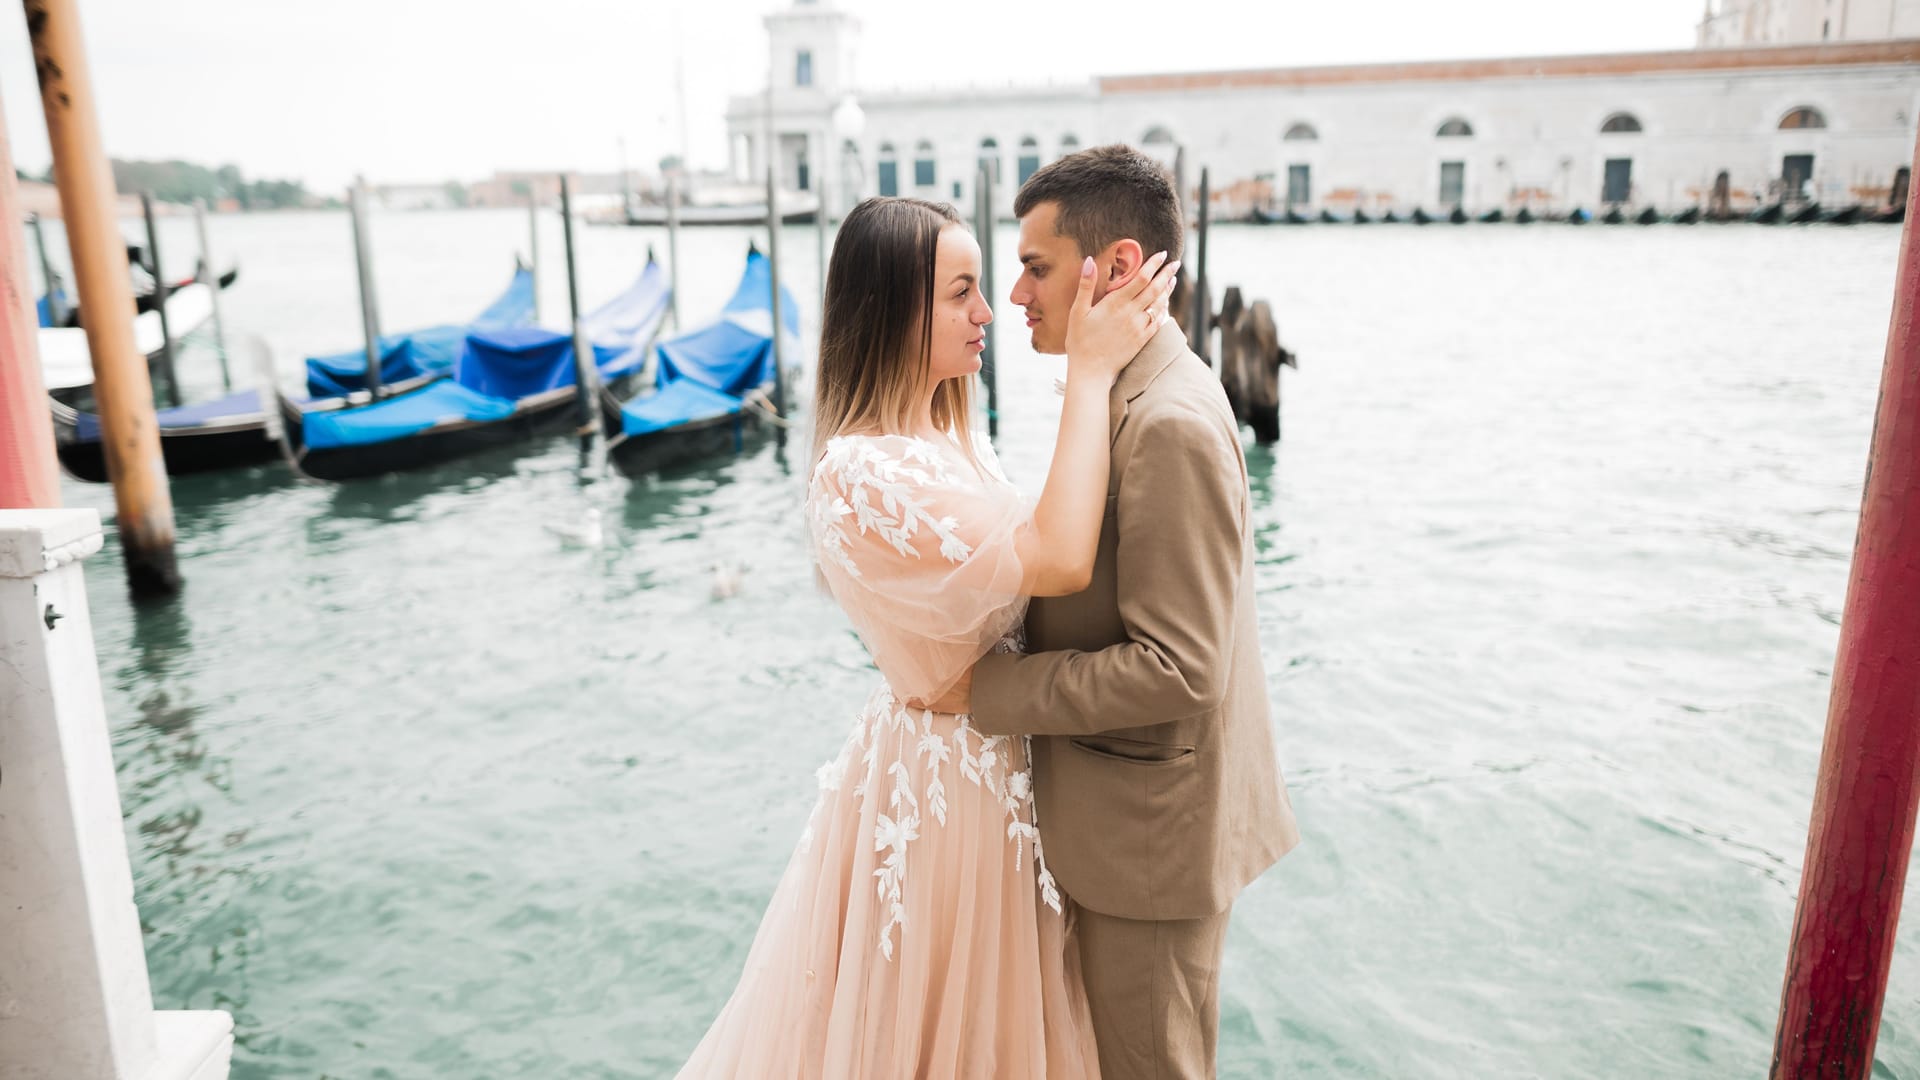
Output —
<point x="1689" y="61"/>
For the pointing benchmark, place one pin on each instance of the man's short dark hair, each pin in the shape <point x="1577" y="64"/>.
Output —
<point x="1108" y="193"/>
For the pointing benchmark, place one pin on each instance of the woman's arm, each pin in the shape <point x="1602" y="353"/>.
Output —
<point x="1058" y="552"/>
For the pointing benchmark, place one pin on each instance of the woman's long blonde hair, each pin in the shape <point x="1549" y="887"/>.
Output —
<point x="876" y="327"/>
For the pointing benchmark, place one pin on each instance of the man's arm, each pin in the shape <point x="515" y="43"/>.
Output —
<point x="1178" y="563"/>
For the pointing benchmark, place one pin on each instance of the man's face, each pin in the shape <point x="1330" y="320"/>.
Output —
<point x="1049" y="278"/>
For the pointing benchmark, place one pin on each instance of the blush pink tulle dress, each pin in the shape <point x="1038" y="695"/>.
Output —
<point x="916" y="932"/>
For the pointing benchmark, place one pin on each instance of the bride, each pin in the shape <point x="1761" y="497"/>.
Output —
<point x="916" y="931"/>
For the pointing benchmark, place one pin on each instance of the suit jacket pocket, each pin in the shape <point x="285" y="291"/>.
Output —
<point x="1132" y="751"/>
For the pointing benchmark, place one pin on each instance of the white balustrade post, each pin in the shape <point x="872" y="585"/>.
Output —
<point x="75" y="1003"/>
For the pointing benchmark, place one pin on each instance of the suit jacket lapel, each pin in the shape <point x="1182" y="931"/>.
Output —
<point x="1146" y="365"/>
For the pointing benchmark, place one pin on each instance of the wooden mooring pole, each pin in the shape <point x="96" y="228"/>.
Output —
<point x="29" y="477"/>
<point x="773" y="281"/>
<point x="586" y="372"/>
<point x="210" y="277"/>
<point x="1861" y="832"/>
<point x="122" y="387"/>
<point x="369" y="299"/>
<point x="983" y="229"/>
<point x="168" y="369"/>
<point x="1202" y="299"/>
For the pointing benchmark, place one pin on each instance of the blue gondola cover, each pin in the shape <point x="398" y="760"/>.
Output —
<point x="421" y="352"/>
<point x="524" y="360"/>
<point x="86" y="427"/>
<point x="401" y="416"/>
<point x="734" y="354"/>
<point x="680" y="402"/>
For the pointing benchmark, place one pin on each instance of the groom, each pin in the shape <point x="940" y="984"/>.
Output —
<point x="1158" y="795"/>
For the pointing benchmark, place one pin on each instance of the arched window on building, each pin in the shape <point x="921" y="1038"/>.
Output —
<point x="1157" y="136"/>
<point x="923" y="164"/>
<point x="990" y="157"/>
<point x="1069" y="144"/>
<point x="1806" y="116"/>
<point x="889" y="170"/>
<point x="1621" y="123"/>
<point x="1455" y="128"/>
<point x="1029" y="162"/>
<point x="1301" y="133"/>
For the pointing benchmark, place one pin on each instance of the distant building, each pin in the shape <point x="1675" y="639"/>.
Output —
<point x="515" y="187"/>
<point x="1744" y="23"/>
<point x="415" y="196"/>
<point x="1832" y="123"/>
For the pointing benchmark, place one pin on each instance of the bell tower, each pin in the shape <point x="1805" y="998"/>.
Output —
<point x="813" y="44"/>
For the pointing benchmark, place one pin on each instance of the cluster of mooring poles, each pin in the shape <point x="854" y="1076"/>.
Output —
<point x="1251" y="354"/>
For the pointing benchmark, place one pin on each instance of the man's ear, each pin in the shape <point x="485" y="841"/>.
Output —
<point x="1124" y="259"/>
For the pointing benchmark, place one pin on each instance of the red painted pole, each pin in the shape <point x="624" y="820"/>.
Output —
<point x="29" y="479"/>
<point x="1863" y="805"/>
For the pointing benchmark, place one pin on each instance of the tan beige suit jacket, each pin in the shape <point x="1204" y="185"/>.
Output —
<point x="1158" y="793"/>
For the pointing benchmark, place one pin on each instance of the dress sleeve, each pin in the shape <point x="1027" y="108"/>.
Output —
<point x="921" y="554"/>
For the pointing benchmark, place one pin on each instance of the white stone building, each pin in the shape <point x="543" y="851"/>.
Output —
<point x="1741" y="23"/>
<point x="1832" y="123"/>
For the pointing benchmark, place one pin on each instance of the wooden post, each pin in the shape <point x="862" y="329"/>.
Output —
<point x="586" y="372"/>
<point x="773" y="278"/>
<point x="369" y="304"/>
<point x="1202" y="302"/>
<point x="1862" y="826"/>
<point x="533" y="250"/>
<point x="29" y="475"/>
<point x="820" y="220"/>
<point x="210" y="277"/>
<point x="122" y="387"/>
<point x="983" y="228"/>
<point x="56" y="309"/>
<point x="673" y="247"/>
<point x="160" y="293"/>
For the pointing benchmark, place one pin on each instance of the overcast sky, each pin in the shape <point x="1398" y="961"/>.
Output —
<point x="435" y="89"/>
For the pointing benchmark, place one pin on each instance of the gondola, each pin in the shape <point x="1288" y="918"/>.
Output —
<point x="1360" y="217"/>
<point x="66" y="359"/>
<point x="1328" y="217"/>
<point x="1579" y="216"/>
<point x="1767" y="215"/>
<point x="231" y="432"/>
<point x="1614" y="216"/>
<point x="714" y="383"/>
<point x="1649" y="216"/>
<point x="1806" y="215"/>
<point x="1689" y="216"/>
<point x="143" y="302"/>
<point x="1892" y="215"/>
<point x="508" y="385"/>
<point x="1846" y="215"/>
<point x="417" y="357"/>
<point x="1493" y="217"/>
<point x="1523" y="216"/>
<point x="1458" y="216"/>
<point x="1389" y="218"/>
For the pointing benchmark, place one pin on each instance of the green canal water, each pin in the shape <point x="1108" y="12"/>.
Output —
<point x="1550" y="572"/>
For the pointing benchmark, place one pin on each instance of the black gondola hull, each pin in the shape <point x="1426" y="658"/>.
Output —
<point x="207" y="448"/>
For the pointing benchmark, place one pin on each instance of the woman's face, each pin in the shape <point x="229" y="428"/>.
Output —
<point x="960" y="313"/>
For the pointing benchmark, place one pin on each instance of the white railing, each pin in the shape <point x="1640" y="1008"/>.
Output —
<point x="75" y="1003"/>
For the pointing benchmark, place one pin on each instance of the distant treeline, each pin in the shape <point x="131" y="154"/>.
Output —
<point x="184" y="181"/>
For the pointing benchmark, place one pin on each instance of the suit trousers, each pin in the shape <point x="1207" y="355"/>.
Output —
<point x="1154" y="991"/>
